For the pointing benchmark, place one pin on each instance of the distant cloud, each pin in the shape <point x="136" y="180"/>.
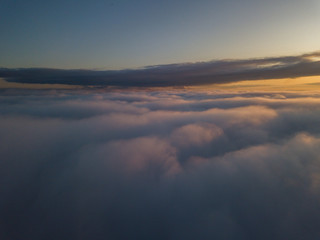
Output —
<point x="159" y="165"/>
<point x="220" y="71"/>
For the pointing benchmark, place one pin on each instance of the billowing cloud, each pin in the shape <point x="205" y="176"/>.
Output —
<point x="220" y="71"/>
<point x="176" y="164"/>
<point x="195" y="134"/>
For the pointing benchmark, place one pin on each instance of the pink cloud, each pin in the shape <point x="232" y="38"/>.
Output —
<point x="195" y="134"/>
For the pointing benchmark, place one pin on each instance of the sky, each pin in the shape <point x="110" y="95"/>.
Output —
<point x="160" y="120"/>
<point x="123" y="34"/>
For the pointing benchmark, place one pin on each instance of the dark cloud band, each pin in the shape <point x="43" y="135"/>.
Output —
<point x="222" y="71"/>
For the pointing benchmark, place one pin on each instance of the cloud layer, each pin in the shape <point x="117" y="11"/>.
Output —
<point x="159" y="165"/>
<point x="221" y="71"/>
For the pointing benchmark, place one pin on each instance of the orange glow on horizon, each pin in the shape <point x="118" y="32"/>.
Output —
<point x="311" y="83"/>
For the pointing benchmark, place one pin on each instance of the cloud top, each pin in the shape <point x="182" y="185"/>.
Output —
<point x="159" y="165"/>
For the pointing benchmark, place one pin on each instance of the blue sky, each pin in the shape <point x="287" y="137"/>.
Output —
<point x="128" y="34"/>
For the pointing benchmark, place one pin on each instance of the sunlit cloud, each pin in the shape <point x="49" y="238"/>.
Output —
<point x="190" y="160"/>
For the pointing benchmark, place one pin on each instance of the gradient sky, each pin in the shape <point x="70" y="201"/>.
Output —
<point x="128" y="34"/>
